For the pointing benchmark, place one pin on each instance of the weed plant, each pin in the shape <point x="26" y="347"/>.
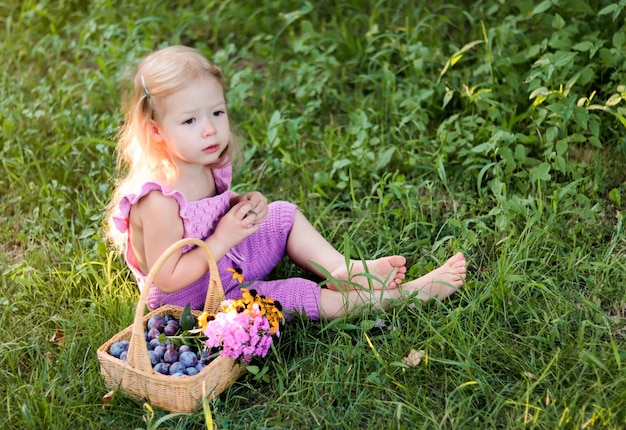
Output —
<point x="422" y="128"/>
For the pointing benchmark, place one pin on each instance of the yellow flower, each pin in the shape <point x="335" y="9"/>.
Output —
<point x="246" y="297"/>
<point x="274" y="317"/>
<point x="237" y="274"/>
<point x="204" y="318"/>
<point x="265" y="306"/>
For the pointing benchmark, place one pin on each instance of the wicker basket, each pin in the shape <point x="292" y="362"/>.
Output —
<point x="135" y="376"/>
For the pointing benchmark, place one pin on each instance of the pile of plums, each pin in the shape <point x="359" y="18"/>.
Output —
<point x="166" y="356"/>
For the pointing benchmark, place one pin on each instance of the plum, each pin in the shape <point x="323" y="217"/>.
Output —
<point x="153" y="333"/>
<point x="154" y="358"/>
<point x="191" y="371"/>
<point x="118" y="347"/>
<point x="171" y="328"/>
<point x="184" y="348"/>
<point x="160" y="349"/>
<point x="157" y="322"/>
<point x="177" y="368"/>
<point x="161" y="368"/>
<point x="170" y="355"/>
<point x="188" y="358"/>
<point x="154" y="343"/>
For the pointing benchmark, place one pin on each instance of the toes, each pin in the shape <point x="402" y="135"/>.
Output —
<point x="458" y="257"/>
<point x="399" y="261"/>
<point x="458" y="260"/>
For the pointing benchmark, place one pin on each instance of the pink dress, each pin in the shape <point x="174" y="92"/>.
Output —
<point x="255" y="257"/>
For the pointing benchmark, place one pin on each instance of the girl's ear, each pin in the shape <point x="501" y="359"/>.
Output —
<point x="155" y="133"/>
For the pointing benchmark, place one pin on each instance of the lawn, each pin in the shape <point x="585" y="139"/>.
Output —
<point x="422" y="128"/>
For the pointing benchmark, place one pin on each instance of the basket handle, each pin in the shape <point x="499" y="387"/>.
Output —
<point x="138" y="350"/>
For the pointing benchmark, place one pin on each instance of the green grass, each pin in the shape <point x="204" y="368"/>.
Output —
<point x="491" y="127"/>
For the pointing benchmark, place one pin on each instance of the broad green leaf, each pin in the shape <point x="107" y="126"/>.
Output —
<point x="559" y="43"/>
<point x="520" y="153"/>
<point x="509" y="160"/>
<point x="483" y="148"/>
<point x="576" y="137"/>
<point x="187" y="320"/>
<point x="340" y="164"/>
<point x="619" y="38"/>
<point x="581" y="117"/>
<point x="561" y="165"/>
<point x="616" y="197"/>
<point x="253" y="369"/>
<point x="595" y="142"/>
<point x="558" y="22"/>
<point x="385" y="157"/>
<point x="583" y="46"/>
<point x="561" y="59"/>
<point x="612" y="8"/>
<point x="551" y="134"/>
<point x="290" y="17"/>
<point x="540" y="173"/>
<point x="541" y="7"/>
<point x="561" y="147"/>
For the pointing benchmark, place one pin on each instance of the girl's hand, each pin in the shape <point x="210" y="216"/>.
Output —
<point x="238" y="223"/>
<point x="258" y="202"/>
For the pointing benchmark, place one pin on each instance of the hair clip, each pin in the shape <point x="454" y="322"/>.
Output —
<point x="145" y="88"/>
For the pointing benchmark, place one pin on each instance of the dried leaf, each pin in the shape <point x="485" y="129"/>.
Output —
<point x="57" y="338"/>
<point x="530" y="375"/>
<point x="106" y="399"/>
<point x="414" y="358"/>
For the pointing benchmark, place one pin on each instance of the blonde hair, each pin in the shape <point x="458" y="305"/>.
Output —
<point x="160" y="74"/>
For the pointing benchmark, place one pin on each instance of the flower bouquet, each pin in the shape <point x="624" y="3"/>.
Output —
<point x="228" y="334"/>
<point x="242" y="328"/>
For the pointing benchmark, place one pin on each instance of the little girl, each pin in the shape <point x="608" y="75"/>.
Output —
<point x="177" y="148"/>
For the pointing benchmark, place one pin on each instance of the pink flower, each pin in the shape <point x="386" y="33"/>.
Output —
<point x="240" y="335"/>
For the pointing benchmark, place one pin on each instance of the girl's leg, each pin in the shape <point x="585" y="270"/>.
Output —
<point x="305" y="245"/>
<point x="439" y="283"/>
<point x="335" y="304"/>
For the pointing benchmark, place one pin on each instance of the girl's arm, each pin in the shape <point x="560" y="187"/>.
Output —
<point x="156" y="224"/>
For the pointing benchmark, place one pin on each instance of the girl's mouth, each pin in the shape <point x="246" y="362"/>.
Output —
<point x="211" y="149"/>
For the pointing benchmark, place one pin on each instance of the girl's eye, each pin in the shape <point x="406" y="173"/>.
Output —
<point x="189" y="121"/>
<point x="219" y="113"/>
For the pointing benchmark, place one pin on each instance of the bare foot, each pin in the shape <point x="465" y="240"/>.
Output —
<point x="439" y="283"/>
<point x="385" y="272"/>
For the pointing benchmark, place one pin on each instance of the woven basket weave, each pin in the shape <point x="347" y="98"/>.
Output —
<point x="135" y="376"/>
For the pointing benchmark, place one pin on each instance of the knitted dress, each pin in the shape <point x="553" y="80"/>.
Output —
<point x="255" y="257"/>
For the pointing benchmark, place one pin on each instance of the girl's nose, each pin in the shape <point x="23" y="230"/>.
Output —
<point x="208" y="129"/>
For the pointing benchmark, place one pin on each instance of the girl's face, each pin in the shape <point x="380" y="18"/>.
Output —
<point x="193" y="123"/>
